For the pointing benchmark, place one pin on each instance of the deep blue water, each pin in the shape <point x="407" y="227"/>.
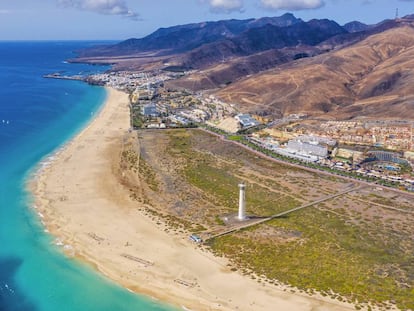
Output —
<point x="37" y="116"/>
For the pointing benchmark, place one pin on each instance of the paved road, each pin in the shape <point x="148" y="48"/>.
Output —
<point x="309" y="169"/>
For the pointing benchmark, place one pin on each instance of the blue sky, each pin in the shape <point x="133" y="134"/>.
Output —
<point x="122" y="19"/>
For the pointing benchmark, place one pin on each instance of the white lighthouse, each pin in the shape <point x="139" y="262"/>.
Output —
<point x="242" y="202"/>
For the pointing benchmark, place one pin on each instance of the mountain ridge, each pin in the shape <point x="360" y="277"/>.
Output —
<point x="317" y="67"/>
<point x="182" y="38"/>
<point x="371" y="78"/>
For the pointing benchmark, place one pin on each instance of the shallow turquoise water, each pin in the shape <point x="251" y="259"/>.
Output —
<point x="37" y="116"/>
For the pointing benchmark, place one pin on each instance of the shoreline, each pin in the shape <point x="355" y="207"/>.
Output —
<point x="82" y="204"/>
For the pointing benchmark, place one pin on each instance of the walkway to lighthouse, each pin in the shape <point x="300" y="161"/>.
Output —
<point x="251" y="222"/>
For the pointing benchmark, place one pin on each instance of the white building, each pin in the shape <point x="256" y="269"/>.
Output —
<point x="307" y="148"/>
<point x="246" y="120"/>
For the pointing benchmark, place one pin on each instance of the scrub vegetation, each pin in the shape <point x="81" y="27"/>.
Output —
<point x="356" y="247"/>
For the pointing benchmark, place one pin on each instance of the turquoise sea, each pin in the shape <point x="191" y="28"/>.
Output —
<point x="37" y="116"/>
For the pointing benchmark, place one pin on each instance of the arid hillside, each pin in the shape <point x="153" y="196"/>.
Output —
<point x="229" y="70"/>
<point x="372" y="78"/>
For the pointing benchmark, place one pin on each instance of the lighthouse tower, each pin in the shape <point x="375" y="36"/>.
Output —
<point x="242" y="203"/>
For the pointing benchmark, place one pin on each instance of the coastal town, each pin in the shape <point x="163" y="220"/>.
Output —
<point x="380" y="151"/>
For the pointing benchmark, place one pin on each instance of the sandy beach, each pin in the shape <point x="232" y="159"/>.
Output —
<point x="85" y="207"/>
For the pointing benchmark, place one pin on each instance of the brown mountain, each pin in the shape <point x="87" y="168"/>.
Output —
<point x="232" y="69"/>
<point x="279" y="66"/>
<point x="227" y="61"/>
<point x="257" y="40"/>
<point x="182" y="38"/>
<point x="372" y="78"/>
<point x="201" y="45"/>
<point x="356" y="26"/>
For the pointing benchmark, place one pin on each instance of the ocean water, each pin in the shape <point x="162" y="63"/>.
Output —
<point x="37" y="116"/>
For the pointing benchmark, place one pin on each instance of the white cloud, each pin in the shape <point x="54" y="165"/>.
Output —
<point x="107" y="7"/>
<point x="293" y="5"/>
<point x="225" y="6"/>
